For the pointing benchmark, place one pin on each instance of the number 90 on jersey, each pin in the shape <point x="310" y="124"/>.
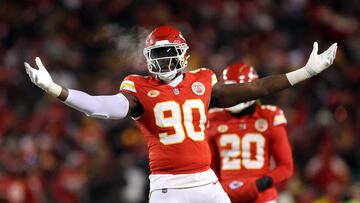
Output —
<point x="180" y="118"/>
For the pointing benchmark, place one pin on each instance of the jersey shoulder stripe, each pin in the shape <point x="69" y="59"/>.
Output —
<point x="128" y="85"/>
<point x="213" y="79"/>
<point x="279" y="118"/>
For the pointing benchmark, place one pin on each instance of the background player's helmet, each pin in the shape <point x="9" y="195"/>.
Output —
<point x="239" y="73"/>
<point x="165" y="52"/>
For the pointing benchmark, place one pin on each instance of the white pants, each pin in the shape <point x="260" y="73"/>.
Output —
<point x="210" y="193"/>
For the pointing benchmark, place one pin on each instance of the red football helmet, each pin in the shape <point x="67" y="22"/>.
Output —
<point x="165" y="52"/>
<point x="239" y="73"/>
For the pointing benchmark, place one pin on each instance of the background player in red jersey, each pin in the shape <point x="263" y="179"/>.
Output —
<point x="170" y="107"/>
<point x="243" y="138"/>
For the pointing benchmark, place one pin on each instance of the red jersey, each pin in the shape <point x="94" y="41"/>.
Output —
<point x="242" y="147"/>
<point x="173" y="120"/>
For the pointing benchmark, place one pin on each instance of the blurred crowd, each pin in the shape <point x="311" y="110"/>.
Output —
<point x="51" y="153"/>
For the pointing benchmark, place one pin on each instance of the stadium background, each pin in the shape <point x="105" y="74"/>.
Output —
<point x="51" y="153"/>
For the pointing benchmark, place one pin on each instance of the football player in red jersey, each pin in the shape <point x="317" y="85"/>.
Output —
<point x="242" y="138"/>
<point x="170" y="107"/>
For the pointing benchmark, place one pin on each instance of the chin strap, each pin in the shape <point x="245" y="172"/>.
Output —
<point x="240" y="107"/>
<point x="249" y="110"/>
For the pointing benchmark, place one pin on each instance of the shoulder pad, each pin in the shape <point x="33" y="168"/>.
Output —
<point x="275" y="114"/>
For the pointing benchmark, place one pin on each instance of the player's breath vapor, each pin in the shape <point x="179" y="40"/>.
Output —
<point x="129" y="43"/>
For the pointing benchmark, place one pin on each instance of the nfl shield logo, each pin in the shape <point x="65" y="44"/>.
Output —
<point x="261" y="125"/>
<point x="198" y="88"/>
<point x="222" y="128"/>
<point x="242" y="126"/>
<point x="176" y="91"/>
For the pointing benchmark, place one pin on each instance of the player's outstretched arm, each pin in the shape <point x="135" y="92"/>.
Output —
<point x="226" y="95"/>
<point x="116" y="106"/>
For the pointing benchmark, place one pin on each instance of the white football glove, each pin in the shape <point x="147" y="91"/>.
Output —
<point x="318" y="63"/>
<point x="315" y="64"/>
<point x="41" y="78"/>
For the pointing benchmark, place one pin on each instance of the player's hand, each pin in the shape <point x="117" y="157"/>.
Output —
<point x="41" y="78"/>
<point x="264" y="183"/>
<point x="319" y="62"/>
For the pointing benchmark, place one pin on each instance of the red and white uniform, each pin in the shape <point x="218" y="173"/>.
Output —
<point x="173" y="123"/>
<point x="242" y="148"/>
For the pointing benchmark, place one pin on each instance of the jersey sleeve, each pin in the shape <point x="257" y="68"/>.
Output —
<point x="128" y="85"/>
<point x="280" y="149"/>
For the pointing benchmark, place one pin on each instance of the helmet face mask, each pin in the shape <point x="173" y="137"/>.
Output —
<point x="165" y="59"/>
<point x="165" y="52"/>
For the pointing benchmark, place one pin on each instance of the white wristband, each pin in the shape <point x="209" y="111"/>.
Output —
<point x="54" y="89"/>
<point x="297" y="76"/>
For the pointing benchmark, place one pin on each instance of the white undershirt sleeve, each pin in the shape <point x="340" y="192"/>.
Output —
<point x="107" y="107"/>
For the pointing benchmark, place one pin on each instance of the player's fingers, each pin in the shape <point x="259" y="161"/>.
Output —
<point x="331" y="49"/>
<point x="334" y="49"/>
<point x="31" y="72"/>
<point x="32" y="76"/>
<point x="27" y="66"/>
<point x="330" y="53"/>
<point x="333" y="54"/>
<point x="39" y="63"/>
<point x="333" y="46"/>
<point x="27" y="69"/>
<point x="315" y="48"/>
